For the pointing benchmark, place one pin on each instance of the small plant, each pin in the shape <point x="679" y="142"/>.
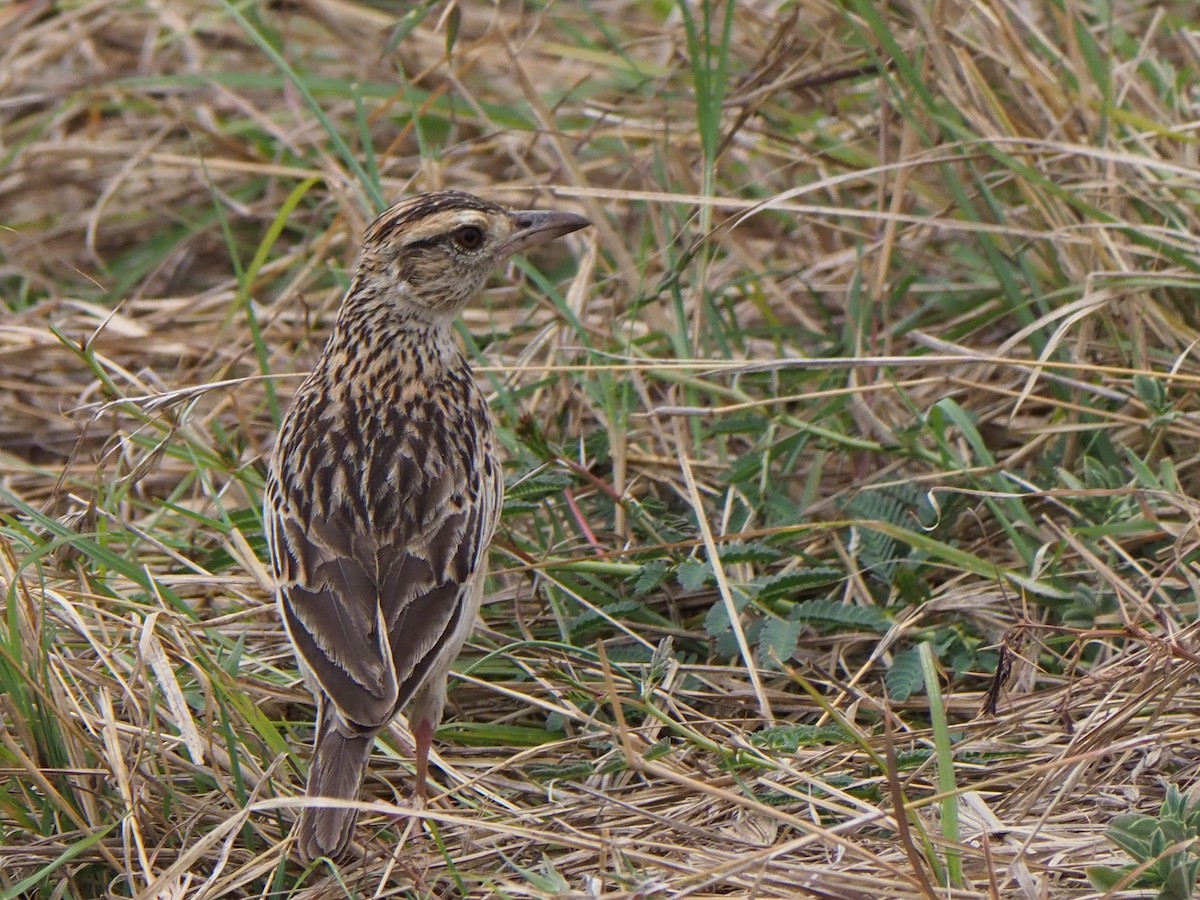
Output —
<point x="1166" y="850"/>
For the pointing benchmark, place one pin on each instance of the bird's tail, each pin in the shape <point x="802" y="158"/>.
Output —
<point x="338" y="765"/>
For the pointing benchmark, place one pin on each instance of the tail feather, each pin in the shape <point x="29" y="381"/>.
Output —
<point x="338" y="766"/>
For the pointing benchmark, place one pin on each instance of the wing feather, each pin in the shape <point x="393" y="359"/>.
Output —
<point x="369" y="600"/>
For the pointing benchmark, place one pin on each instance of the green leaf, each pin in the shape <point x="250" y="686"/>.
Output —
<point x="72" y="851"/>
<point x="716" y="622"/>
<point x="547" y="881"/>
<point x="788" y="584"/>
<point x="752" y="552"/>
<point x="1134" y="834"/>
<point x="406" y="23"/>
<point x="739" y="423"/>
<point x="453" y="23"/>
<point x="904" y="678"/>
<point x="545" y="483"/>
<point x="1151" y="392"/>
<point x="790" y="738"/>
<point x="1179" y="882"/>
<point x="777" y="643"/>
<point x="650" y="576"/>
<point x="693" y="574"/>
<point x="593" y="618"/>
<point x="658" y="750"/>
<point x="489" y="734"/>
<point x="835" y="614"/>
<point x="1105" y="878"/>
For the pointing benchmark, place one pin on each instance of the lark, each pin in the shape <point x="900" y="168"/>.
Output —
<point x="384" y="491"/>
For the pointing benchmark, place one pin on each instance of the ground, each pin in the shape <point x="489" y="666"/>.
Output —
<point x="849" y="549"/>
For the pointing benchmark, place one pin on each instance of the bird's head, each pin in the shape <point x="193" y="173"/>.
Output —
<point x="433" y="252"/>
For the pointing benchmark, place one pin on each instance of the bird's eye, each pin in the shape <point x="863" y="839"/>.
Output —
<point x="469" y="237"/>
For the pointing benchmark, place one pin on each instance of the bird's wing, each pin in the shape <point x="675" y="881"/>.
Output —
<point x="372" y="570"/>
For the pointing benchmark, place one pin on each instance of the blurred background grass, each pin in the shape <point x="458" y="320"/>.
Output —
<point x="849" y="548"/>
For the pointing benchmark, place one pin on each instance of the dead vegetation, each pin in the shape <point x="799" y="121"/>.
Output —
<point x="884" y="343"/>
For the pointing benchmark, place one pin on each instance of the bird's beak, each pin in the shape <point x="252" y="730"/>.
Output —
<point x="533" y="227"/>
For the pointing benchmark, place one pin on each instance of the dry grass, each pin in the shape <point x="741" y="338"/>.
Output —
<point x="884" y="340"/>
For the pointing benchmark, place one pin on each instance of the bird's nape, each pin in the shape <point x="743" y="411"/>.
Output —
<point x="430" y="255"/>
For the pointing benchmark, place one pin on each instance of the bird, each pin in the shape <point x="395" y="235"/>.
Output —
<point x="384" y="490"/>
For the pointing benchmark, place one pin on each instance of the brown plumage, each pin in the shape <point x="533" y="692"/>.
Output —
<point x="384" y="490"/>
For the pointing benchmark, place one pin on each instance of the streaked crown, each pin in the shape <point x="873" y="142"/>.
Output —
<point x="433" y="252"/>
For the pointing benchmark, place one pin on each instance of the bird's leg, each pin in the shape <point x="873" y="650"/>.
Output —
<point x="422" y="731"/>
